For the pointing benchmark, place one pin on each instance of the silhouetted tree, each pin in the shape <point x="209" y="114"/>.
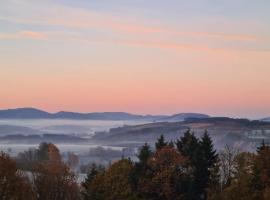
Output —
<point x="261" y="172"/>
<point x="206" y="172"/>
<point x="189" y="147"/>
<point x="161" y="142"/>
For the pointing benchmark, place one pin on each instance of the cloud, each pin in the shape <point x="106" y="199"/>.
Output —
<point x="23" y="34"/>
<point x="67" y="20"/>
<point x="31" y="34"/>
<point x="61" y="16"/>
<point x="113" y="25"/>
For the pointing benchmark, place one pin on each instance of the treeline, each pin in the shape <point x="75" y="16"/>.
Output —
<point x="186" y="169"/>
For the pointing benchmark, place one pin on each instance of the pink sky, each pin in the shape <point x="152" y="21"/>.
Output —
<point x="90" y="60"/>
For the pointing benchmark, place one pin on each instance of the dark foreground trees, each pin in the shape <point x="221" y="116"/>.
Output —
<point x="190" y="169"/>
<point x="168" y="173"/>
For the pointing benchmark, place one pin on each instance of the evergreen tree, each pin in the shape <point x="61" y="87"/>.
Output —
<point x="87" y="192"/>
<point x="141" y="166"/>
<point x="161" y="142"/>
<point x="208" y="161"/>
<point x="189" y="147"/>
<point x="261" y="171"/>
<point x="202" y="161"/>
<point x="144" y="154"/>
<point x="171" y="144"/>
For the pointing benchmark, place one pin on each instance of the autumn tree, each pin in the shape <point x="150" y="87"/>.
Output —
<point x="53" y="180"/>
<point x="166" y="176"/>
<point x="13" y="185"/>
<point x="72" y="160"/>
<point x="28" y="159"/>
<point x="113" y="184"/>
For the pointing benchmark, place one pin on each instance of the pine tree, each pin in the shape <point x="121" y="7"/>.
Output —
<point x="207" y="165"/>
<point x="144" y="154"/>
<point x="202" y="161"/>
<point x="161" y="142"/>
<point x="189" y="147"/>
<point x="87" y="192"/>
<point x="261" y="170"/>
<point x="141" y="166"/>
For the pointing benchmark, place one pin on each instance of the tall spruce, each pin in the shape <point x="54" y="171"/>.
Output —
<point x="201" y="160"/>
<point x="189" y="147"/>
<point x="206" y="172"/>
<point x="144" y="154"/>
<point x="87" y="191"/>
<point x="161" y="142"/>
<point x="261" y="171"/>
<point x="141" y="166"/>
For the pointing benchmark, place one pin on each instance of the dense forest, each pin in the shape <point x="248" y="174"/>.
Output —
<point x="186" y="169"/>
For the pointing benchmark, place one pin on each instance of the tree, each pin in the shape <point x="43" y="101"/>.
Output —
<point x="161" y="142"/>
<point x="240" y="188"/>
<point x="166" y="176"/>
<point x="227" y="164"/>
<point x="189" y="147"/>
<point x="73" y="160"/>
<point x="27" y="160"/>
<point x="89" y="192"/>
<point x="52" y="179"/>
<point x="13" y="185"/>
<point x="53" y="153"/>
<point x="207" y="174"/>
<point x="144" y="154"/>
<point x="261" y="172"/>
<point x="202" y="163"/>
<point x="113" y="183"/>
<point x="42" y="152"/>
<point x="141" y="166"/>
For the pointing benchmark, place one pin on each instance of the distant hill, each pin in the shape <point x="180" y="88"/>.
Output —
<point x="183" y="116"/>
<point x="24" y="113"/>
<point x="33" y="113"/>
<point x="98" y="116"/>
<point x="266" y="119"/>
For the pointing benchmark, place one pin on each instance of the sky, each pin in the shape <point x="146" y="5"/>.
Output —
<point x="138" y="56"/>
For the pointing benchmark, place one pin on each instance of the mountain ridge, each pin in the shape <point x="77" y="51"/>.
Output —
<point x="34" y="113"/>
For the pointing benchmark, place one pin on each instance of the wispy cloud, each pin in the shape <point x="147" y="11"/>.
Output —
<point x="32" y="34"/>
<point x="130" y="28"/>
<point x="23" y="34"/>
<point x="128" y="32"/>
<point x="50" y="14"/>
